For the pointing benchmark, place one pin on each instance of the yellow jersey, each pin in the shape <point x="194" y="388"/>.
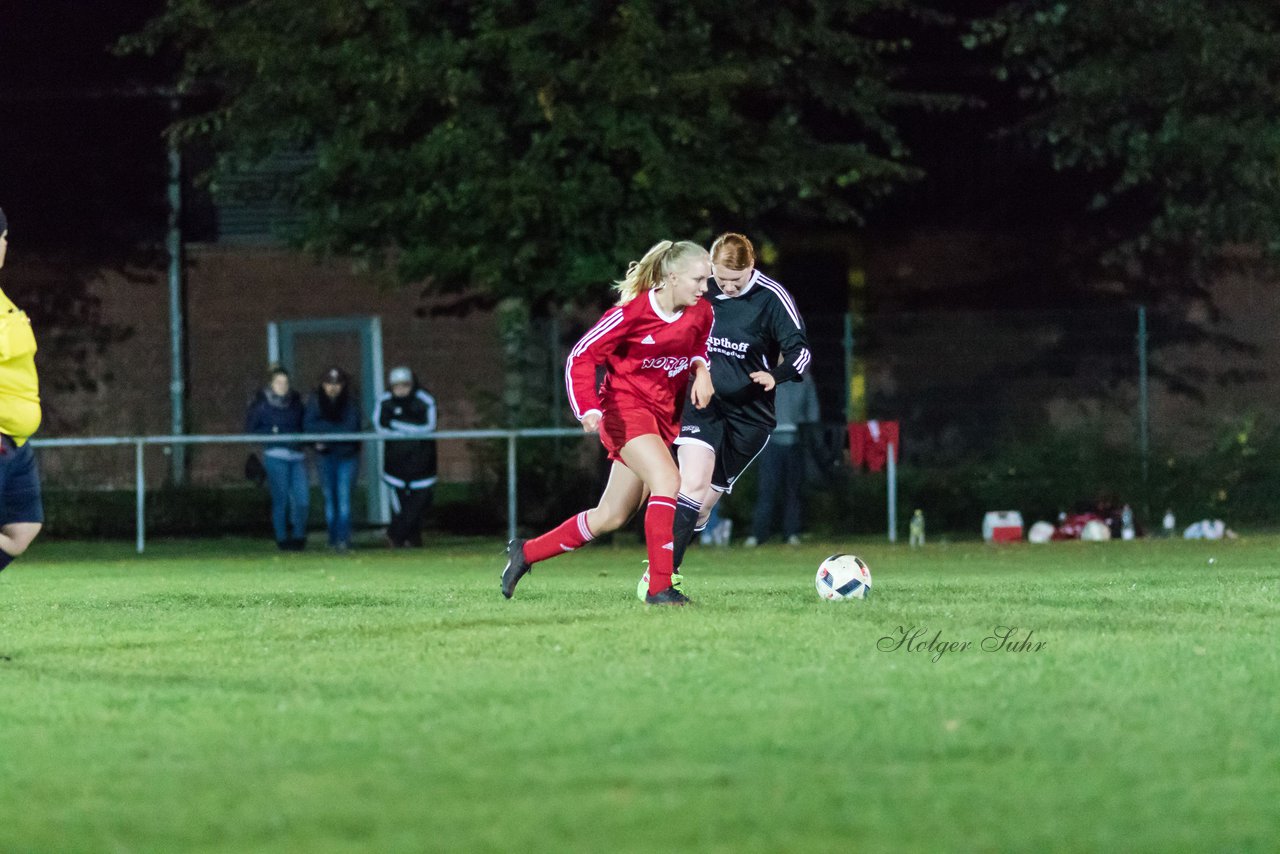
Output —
<point x="19" y="386"/>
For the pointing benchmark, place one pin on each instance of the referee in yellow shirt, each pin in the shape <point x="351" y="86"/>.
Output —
<point x="21" y="509"/>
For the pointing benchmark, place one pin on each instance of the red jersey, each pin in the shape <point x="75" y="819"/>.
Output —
<point x="648" y="356"/>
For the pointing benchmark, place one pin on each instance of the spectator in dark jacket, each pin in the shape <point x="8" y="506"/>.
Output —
<point x="332" y="409"/>
<point x="409" y="467"/>
<point x="782" y="462"/>
<point x="278" y="409"/>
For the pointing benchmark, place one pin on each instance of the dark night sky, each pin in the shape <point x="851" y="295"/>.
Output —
<point x="81" y="164"/>
<point x="62" y="43"/>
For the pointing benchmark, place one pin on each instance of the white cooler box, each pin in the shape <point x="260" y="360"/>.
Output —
<point x="1002" y="526"/>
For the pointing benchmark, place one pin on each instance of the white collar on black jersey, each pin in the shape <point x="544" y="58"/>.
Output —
<point x="751" y="283"/>
<point x="657" y="309"/>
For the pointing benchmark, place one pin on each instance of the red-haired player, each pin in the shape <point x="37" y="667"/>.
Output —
<point x="758" y="341"/>
<point x="649" y="344"/>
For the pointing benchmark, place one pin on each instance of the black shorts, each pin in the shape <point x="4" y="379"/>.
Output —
<point x="735" y="440"/>
<point x="19" y="484"/>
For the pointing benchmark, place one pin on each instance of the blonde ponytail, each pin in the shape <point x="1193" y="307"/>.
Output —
<point x="651" y="271"/>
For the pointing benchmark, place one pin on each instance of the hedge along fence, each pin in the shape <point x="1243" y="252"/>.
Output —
<point x="1237" y="479"/>
<point x="196" y="510"/>
<point x="463" y="509"/>
<point x="140" y="443"/>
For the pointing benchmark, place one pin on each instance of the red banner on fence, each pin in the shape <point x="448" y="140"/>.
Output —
<point x="869" y="443"/>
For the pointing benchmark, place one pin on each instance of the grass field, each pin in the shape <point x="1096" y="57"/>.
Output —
<point x="221" y="697"/>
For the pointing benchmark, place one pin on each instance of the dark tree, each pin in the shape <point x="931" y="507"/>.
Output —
<point x="530" y="149"/>
<point x="1166" y="109"/>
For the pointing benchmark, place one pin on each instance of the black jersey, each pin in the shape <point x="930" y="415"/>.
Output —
<point x="408" y="464"/>
<point x="750" y="332"/>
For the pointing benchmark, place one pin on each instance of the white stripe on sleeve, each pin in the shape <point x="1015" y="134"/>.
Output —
<point x="603" y="326"/>
<point x="785" y="298"/>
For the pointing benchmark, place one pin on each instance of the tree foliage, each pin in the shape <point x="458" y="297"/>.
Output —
<point x="1168" y="109"/>
<point x="531" y="148"/>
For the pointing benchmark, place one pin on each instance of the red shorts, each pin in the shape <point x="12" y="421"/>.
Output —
<point x="621" y="424"/>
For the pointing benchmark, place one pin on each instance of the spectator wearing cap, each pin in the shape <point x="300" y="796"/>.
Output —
<point x="332" y="409"/>
<point x="277" y="409"/>
<point x="409" y="467"/>
<point x="21" y="506"/>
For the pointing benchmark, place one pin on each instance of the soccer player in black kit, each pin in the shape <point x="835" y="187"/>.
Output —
<point x="758" y="340"/>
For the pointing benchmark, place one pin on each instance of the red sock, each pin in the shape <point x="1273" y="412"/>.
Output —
<point x="569" y="535"/>
<point x="659" y="519"/>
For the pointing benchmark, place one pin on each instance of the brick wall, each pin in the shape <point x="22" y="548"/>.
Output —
<point x="927" y="269"/>
<point x="232" y="295"/>
<point x="234" y="292"/>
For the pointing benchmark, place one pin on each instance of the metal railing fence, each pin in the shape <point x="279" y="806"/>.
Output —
<point x="139" y="443"/>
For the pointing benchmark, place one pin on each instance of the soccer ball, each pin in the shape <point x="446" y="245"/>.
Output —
<point x="843" y="577"/>
<point x="1041" y="532"/>
<point x="1095" y="531"/>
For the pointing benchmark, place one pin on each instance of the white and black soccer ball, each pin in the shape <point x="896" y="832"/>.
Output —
<point x="843" y="577"/>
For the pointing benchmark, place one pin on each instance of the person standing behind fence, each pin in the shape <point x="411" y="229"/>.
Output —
<point x="782" y="463"/>
<point x="331" y="409"/>
<point x="21" y="506"/>
<point x="408" y="467"/>
<point x="278" y="409"/>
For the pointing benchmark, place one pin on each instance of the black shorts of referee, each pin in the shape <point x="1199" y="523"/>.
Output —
<point x="20" y="499"/>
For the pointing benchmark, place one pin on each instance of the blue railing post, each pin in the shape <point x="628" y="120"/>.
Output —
<point x="511" y="486"/>
<point x="891" y="474"/>
<point x="140" y="499"/>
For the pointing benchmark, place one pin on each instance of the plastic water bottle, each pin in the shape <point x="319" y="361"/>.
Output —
<point x="724" y="532"/>
<point x="916" y="528"/>
<point x="1127" y="531"/>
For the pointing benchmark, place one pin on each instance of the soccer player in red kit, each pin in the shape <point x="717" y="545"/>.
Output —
<point x="649" y="344"/>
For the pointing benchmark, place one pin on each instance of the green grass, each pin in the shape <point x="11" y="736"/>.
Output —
<point x="222" y="697"/>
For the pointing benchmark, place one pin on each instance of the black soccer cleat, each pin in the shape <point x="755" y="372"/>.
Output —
<point x="670" y="596"/>
<point x="516" y="567"/>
